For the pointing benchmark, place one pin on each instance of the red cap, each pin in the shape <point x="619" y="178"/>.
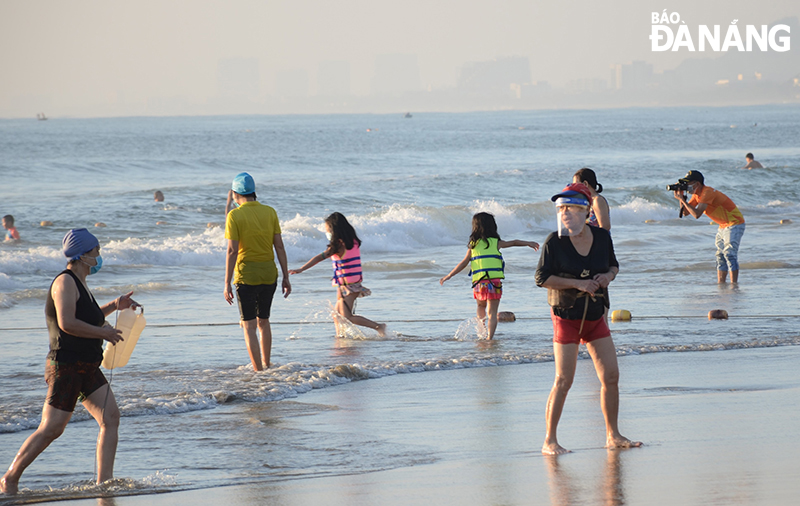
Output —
<point x="573" y="188"/>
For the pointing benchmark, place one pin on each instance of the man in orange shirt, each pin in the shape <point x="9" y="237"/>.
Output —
<point x="717" y="206"/>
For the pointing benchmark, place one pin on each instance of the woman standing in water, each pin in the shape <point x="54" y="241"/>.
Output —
<point x="599" y="215"/>
<point x="77" y="328"/>
<point x="576" y="265"/>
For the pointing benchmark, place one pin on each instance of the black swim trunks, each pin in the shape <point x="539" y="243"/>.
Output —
<point x="255" y="300"/>
<point x="70" y="382"/>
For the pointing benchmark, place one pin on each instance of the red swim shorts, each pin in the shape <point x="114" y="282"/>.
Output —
<point x="566" y="331"/>
<point x="488" y="289"/>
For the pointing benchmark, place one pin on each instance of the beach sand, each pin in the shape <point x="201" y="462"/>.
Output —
<point x="719" y="427"/>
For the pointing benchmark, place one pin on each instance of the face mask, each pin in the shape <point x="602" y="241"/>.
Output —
<point x="571" y="220"/>
<point x="329" y="236"/>
<point x="94" y="268"/>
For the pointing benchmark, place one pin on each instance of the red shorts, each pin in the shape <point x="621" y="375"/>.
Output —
<point x="488" y="289"/>
<point x="566" y="331"/>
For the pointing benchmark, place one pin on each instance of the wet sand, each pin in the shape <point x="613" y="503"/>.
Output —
<point x="719" y="427"/>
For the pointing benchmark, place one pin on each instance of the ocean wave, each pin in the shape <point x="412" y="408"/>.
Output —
<point x="211" y="388"/>
<point x="157" y="482"/>
<point x="395" y="228"/>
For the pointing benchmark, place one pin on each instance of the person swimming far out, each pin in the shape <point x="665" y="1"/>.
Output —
<point x="344" y="249"/>
<point x="487" y="267"/>
<point x="751" y="162"/>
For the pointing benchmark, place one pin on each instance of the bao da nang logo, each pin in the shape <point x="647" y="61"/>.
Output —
<point x="670" y="33"/>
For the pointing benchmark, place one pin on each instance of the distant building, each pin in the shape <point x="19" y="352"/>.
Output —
<point x="632" y="76"/>
<point x="333" y="79"/>
<point x="587" y="85"/>
<point x="396" y="74"/>
<point x="499" y="76"/>
<point x="291" y="83"/>
<point x="238" y="78"/>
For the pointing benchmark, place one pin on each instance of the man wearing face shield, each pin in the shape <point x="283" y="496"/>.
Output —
<point x="722" y="211"/>
<point x="77" y="328"/>
<point x="576" y="266"/>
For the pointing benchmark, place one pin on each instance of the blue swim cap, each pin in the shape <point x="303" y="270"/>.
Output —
<point x="243" y="184"/>
<point x="77" y="242"/>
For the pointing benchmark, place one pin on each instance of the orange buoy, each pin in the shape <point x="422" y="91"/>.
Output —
<point x="99" y="224"/>
<point x="46" y="224"/>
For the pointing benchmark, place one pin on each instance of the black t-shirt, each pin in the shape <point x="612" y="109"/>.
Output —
<point x="559" y="257"/>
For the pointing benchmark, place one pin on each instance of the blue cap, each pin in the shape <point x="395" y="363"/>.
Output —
<point x="243" y="184"/>
<point x="77" y="242"/>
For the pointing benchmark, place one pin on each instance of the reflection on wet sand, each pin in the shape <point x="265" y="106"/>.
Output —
<point x="566" y="486"/>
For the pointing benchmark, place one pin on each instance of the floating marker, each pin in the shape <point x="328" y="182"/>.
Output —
<point x="506" y="316"/>
<point x="46" y="224"/>
<point x="161" y="223"/>
<point x="717" y="314"/>
<point x="99" y="224"/>
<point x="785" y="221"/>
<point x="649" y="221"/>
<point x="621" y="315"/>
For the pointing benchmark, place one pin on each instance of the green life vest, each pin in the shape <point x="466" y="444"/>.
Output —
<point x="486" y="262"/>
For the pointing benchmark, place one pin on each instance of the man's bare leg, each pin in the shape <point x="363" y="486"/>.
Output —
<point x="566" y="358"/>
<point x="604" y="356"/>
<point x="102" y="405"/>
<point x="266" y="341"/>
<point x="722" y="276"/>
<point x="734" y="276"/>
<point x="251" y="339"/>
<point x="52" y="425"/>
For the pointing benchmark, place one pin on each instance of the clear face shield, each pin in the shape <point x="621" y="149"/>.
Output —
<point x="572" y="213"/>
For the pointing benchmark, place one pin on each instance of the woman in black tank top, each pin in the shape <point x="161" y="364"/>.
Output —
<point x="77" y="328"/>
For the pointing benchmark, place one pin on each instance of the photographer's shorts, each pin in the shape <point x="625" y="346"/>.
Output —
<point x="70" y="382"/>
<point x="566" y="331"/>
<point x="255" y="300"/>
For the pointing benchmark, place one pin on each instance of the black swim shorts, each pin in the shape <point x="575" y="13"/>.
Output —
<point x="255" y="300"/>
<point x="70" y="382"/>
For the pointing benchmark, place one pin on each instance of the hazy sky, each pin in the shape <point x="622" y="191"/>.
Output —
<point x="71" y="54"/>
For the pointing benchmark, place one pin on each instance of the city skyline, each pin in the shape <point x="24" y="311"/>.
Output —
<point x="199" y="58"/>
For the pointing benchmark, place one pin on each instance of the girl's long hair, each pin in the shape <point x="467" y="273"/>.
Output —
<point x="587" y="175"/>
<point x="483" y="227"/>
<point x="342" y="232"/>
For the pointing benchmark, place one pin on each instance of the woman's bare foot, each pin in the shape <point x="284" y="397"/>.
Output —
<point x="553" y="448"/>
<point x="381" y="328"/>
<point x="8" y="486"/>
<point x="621" y="442"/>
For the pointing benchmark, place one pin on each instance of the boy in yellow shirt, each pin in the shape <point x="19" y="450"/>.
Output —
<point x="253" y="231"/>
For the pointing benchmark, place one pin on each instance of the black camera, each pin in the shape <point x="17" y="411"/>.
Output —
<point x="680" y="186"/>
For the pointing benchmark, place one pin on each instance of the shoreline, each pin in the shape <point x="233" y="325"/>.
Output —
<point x="476" y="434"/>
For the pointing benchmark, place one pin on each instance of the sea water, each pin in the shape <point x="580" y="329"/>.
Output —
<point x="409" y="187"/>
